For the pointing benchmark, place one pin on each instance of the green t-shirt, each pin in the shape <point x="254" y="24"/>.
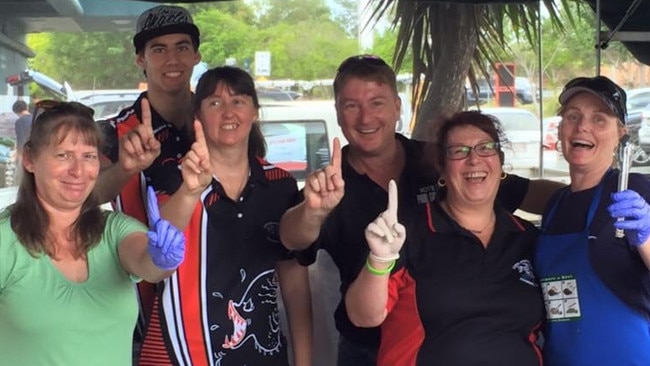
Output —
<point x="47" y="320"/>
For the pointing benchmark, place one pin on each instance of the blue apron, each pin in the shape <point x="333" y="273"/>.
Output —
<point x="586" y="324"/>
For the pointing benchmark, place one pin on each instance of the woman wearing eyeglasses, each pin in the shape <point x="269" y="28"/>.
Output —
<point x="462" y="292"/>
<point x="67" y="268"/>
<point x="596" y="285"/>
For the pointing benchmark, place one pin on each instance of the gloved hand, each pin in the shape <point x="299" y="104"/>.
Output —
<point x="166" y="242"/>
<point x="385" y="236"/>
<point x="636" y="211"/>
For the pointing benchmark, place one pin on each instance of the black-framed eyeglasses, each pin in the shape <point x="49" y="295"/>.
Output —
<point x="365" y="59"/>
<point x="58" y="106"/>
<point x="484" y="149"/>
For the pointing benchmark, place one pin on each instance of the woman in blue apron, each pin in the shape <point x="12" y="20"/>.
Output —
<point x="596" y="286"/>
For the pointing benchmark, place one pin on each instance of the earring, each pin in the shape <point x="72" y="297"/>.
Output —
<point x="504" y="175"/>
<point x="441" y="182"/>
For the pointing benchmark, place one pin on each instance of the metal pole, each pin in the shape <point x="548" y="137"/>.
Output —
<point x="598" y="49"/>
<point x="540" y="84"/>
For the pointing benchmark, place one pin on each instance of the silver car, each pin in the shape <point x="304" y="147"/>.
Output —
<point x="522" y="129"/>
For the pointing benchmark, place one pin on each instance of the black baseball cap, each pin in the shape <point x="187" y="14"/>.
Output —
<point x="613" y="95"/>
<point x="161" y="20"/>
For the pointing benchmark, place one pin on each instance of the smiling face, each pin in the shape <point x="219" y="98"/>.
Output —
<point x="589" y="133"/>
<point x="168" y="62"/>
<point x="367" y="113"/>
<point x="65" y="172"/>
<point x="227" y="117"/>
<point x="474" y="179"/>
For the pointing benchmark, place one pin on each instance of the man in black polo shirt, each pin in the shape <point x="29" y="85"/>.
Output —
<point x="368" y="108"/>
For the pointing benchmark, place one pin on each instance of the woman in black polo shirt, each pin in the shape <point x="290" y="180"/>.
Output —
<point x="463" y="291"/>
<point x="220" y="307"/>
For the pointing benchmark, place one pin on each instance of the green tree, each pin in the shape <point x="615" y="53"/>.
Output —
<point x="348" y="17"/>
<point x="95" y="60"/>
<point x="293" y="11"/>
<point x="224" y="36"/>
<point x="307" y="50"/>
<point x="451" y="41"/>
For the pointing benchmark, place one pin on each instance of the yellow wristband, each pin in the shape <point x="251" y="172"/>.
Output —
<point x="379" y="272"/>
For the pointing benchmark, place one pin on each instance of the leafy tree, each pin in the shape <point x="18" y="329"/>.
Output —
<point x="348" y="17"/>
<point x="223" y="36"/>
<point x="93" y="60"/>
<point x="451" y="41"/>
<point x="307" y="50"/>
<point x="292" y="11"/>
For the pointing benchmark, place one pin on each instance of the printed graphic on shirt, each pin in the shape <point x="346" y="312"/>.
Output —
<point x="561" y="298"/>
<point x="525" y="270"/>
<point x="426" y="194"/>
<point x="247" y="329"/>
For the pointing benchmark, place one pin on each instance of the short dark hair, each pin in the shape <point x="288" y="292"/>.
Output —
<point x="365" y="67"/>
<point x="239" y="82"/>
<point x="441" y="128"/>
<point x="19" y="106"/>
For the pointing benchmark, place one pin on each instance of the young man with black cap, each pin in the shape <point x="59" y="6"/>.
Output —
<point x="153" y="136"/>
<point x="342" y="198"/>
<point x="145" y="142"/>
<point x="595" y="282"/>
<point x="166" y="45"/>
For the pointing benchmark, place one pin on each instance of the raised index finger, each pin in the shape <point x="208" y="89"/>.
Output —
<point x="392" y="199"/>
<point x="336" y="154"/>
<point x="153" y="212"/>
<point x="146" y="113"/>
<point x="199" y="139"/>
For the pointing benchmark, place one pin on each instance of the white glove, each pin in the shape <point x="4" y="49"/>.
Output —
<point x="385" y="236"/>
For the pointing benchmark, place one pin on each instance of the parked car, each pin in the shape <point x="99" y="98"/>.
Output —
<point x="273" y="95"/>
<point x="524" y="91"/>
<point x="522" y="150"/>
<point x="107" y="103"/>
<point x="549" y="127"/>
<point x="484" y="94"/>
<point x="49" y="85"/>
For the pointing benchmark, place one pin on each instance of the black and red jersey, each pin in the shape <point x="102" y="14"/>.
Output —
<point x="220" y="306"/>
<point x="453" y="301"/>
<point x="342" y="234"/>
<point x="163" y="174"/>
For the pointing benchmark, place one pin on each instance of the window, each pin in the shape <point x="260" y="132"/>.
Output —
<point x="297" y="146"/>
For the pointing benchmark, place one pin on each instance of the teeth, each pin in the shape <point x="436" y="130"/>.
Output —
<point x="581" y="143"/>
<point x="476" y="175"/>
<point x="367" y="131"/>
<point x="173" y="74"/>
<point x="230" y="126"/>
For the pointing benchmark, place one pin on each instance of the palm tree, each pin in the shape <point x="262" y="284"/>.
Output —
<point x="454" y="40"/>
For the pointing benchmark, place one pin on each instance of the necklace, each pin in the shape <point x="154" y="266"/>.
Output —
<point x="492" y="218"/>
<point x="445" y="206"/>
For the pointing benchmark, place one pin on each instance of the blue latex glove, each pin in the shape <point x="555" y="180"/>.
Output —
<point x="166" y="242"/>
<point x="636" y="211"/>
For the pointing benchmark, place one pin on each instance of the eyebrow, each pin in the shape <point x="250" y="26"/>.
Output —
<point x="179" y="43"/>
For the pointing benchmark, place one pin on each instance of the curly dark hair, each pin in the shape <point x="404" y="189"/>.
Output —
<point x="441" y="128"/>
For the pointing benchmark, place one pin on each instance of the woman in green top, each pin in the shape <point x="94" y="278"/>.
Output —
<point x="67" y="267"/>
